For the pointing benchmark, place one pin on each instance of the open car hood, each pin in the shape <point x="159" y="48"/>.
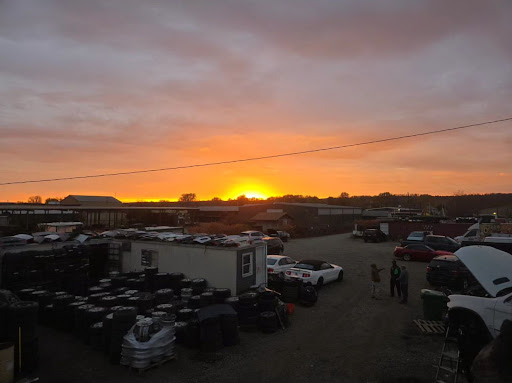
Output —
<point x="491" y="267"/>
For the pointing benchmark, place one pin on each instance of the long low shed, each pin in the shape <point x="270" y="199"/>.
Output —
<point x="236" y="268"/>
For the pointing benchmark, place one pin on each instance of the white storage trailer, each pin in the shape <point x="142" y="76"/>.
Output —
<point x="236" y="268"/>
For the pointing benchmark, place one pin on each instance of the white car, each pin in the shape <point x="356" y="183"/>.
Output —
<point x="316" y="272"/>
<point x="278" y="264"/>
<point x="478" y="318"/>
<point x="253" y="235"/>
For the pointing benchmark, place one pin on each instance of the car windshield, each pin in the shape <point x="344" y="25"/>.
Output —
<point x="304" y="266"/>
<point x="244" y="234"/>
<point x="271" y="261"/>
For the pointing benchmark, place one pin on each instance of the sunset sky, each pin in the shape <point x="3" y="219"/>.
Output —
<point x="91" y="87"/>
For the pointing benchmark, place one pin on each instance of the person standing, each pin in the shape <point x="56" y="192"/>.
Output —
<point x="394" y="273"/>
<point x="403" y="279"/>
<point x="375" y="281"/>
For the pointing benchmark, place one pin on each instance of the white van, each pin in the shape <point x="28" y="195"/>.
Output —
<point x="498" y="239"/>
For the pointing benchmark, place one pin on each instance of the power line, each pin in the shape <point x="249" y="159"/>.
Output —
<point x="259" y="158"/>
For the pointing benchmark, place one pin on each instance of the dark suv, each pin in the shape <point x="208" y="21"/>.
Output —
<point x="274" y="245"/>
<point x="374" y="235"/>
<point x="449" y="271"/>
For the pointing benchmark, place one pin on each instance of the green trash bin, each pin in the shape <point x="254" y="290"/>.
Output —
<point x="434" y="304"/>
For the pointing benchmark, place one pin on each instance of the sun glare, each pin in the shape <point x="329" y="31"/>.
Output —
<point x="250" y="190"/>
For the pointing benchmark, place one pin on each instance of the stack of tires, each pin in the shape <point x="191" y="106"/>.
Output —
<point x="122" y="320"/>
<point x="220" y="295"/>
<point x="21" y="330"/>
<point x="198" y="285"/>
<point x="291" y="290"/>
<point x="308" y="296"/>
<point x="248" y="311"/>
<point x="175" y="281"/>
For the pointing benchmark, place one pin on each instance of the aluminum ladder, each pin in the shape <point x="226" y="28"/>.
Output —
<point x="448" y="366"/>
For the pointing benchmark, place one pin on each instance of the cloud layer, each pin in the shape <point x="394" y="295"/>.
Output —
<point x="110" y="86"/>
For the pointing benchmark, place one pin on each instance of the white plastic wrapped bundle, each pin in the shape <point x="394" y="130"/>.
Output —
<point x="141" y="347"/>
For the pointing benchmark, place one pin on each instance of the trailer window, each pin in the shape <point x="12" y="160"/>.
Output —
<point x="246" y="264"/>
<point x="149" y="258"/>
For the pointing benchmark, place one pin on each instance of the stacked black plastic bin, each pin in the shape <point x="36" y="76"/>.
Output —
<point x="21" y="330"/>
<point x="122" y="320"/>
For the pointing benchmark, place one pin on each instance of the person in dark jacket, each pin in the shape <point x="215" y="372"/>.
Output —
<point x="394" y="273"/>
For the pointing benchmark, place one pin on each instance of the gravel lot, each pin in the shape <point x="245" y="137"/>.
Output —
<point x="345" y="337"/>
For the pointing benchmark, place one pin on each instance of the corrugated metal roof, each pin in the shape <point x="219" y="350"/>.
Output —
<point x="94" y="198"/>
<point x="264" y="216"/>
<point x="317" y="205"/>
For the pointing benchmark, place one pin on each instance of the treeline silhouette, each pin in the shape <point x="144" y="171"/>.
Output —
<point x="456" y="205"/>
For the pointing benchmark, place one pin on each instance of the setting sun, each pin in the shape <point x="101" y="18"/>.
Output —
<point x="250" y="189"/>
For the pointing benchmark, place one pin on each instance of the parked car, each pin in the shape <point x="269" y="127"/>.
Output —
<point x="12" y="241"/>
<point x="278" y="264"/>
<point x="283" y="235"/>
<point x="477" y="319"/>
<point x="315" y="272"/>
<point x="436" y="242"/>
<point x="418" y="252"/>
<point x="253" y="235"/>
<point x="274" y="245"/>
<point x="418" y="236"/>
<point x="448" y="271"/>
<point x="374" y="235"/>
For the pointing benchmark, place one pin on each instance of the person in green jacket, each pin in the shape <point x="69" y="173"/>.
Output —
<point x="394" y="273"/>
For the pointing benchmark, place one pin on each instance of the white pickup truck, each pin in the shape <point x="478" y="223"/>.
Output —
<point x="477" y="319"/>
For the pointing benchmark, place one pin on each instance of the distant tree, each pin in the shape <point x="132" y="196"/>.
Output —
<point x="187" y="197"/>
<point x="52" y="200"/>
<point x="35" y="199"/>
<point x="459" y="193"/>
<point x="344" y="195"/>
<point x="216" y="199"/>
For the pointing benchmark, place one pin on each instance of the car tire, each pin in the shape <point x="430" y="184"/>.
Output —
<point x="340" y="277"/>
<point x="281" y="275"/>
<point x="406" y="257"/>
<point x="319" y="283"/>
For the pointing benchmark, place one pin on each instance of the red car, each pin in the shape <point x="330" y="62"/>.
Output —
<point x="418" y="252"/>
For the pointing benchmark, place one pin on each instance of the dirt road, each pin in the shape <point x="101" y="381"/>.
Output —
<point x="345" y="337"/>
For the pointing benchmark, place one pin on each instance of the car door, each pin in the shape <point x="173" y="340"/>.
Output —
<point x="282" y="264"/>
<point x="425" y="253"/>
<point x="502" y="311"/>
<point x="327" y="272"/>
